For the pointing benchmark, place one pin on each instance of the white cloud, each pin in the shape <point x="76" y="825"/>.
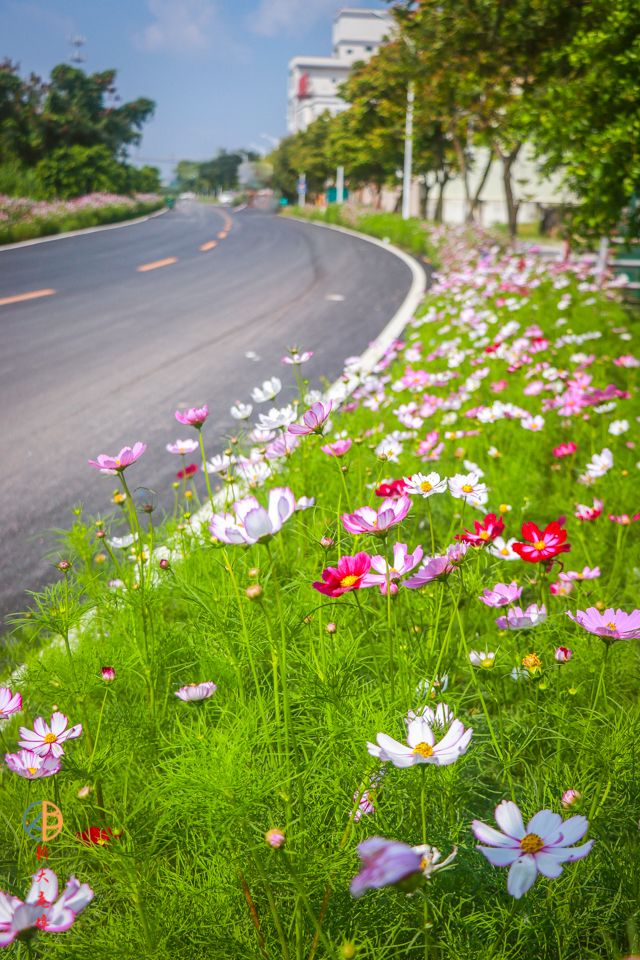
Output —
<point x="291" y="15"/>
<point x="179" y="26"/>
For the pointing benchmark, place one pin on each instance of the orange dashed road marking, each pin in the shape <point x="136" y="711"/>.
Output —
<point x="157" y="263"/>
<point x="32" y="295"/>
<point x="208" y="246"/>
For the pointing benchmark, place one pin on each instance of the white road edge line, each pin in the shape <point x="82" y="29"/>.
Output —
<point x="339" y="390"/>
<point x="80" y="233"/>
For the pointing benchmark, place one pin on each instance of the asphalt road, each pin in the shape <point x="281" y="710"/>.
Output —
<point x="108" y="357"/>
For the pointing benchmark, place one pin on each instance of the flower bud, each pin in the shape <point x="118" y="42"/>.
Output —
<point x="326" y="542"/>
<point x="569" y="797"/>
<point x="163" y="564"/>
<point x="64" y="565"/>
<point x="331" y="627"/>
<point x="108" y="674"/>
<point x="275" y="838"/>
<point x="563" y="654"/>
<point x="254" y="592"/>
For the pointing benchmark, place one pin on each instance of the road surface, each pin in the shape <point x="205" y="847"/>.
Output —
<point x="98" y="353"/>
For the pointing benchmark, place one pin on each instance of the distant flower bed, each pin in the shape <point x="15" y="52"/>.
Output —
<point x="24" y="219"/>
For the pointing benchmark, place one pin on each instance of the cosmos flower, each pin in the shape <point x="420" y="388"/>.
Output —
<point x="543" y="544"/>
<point x="485" y="660"/>
<point x="197" y="691"/>
<point x="188" y="471"/>
<point x="384" y="863"/>
<point x="347" y="576"/>
<point x="313" y="420"/>
<point x="543" y="847"/>
<point x="193" y="417"/>
<point x="425" y="485"/>
<point x="584" y="512"/>
<point x="338" y="448"/>
<point x="563" y="654"/>
<point x="468" y="487"/>
<point x="403" y="563"/>
<point x="624" y="519"/>
<point x="369" y="520"/>
<point x="501" y="595"/>
<point x="277" y="418"/>
<point x="518" y="619"/>
<point x="114" y="465"/>
<point x="269" y="391"/>
<point x="42" y="908"/>
<point x="241" y="411"/>
<point x="392" y="489"/>
<point x="45" y="740"/>
<point x="587" y="573"/>
<point x="609" y="624"/>
<point x="503" y="548"/>
<point x="565" y="449"/>
<point x="10" y="703"/>
<point x="96" y="836"/>
<point x="486" y="530"/>
<point x="29" y="765"/>
<point x="534" y="424"/>
<point x="295" y="358"/>
<point x="421" y="746"/>
<point x="108" y="674"/>
<point x="182" y="447"/>
<point x="435" y="567"/>
<point x="250" y="522"/>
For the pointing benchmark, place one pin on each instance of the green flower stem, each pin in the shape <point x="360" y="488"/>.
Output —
<point x="204" y="469"/>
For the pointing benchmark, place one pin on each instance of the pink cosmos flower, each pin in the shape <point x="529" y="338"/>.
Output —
<point x="182" y="447"/>
<point x="611" y="624"/>
<point x="348" y="575"/>
<point x="624" y="519"/>
<point x="114" y="465"/>
<point x="565" y="449"/>
<point x="563" y="654"/>
<point x="250" y="522"/>
<point x="542" y="848"/>
<point x="486" y="531"/>
<point x="501" y="595"/>
<point x="10" y="703"/>
<point x="30" y="766"/>
<point x="313" y="420"/>
<point x="421" y="746"/>
<point x="587" y="573"/>
<point x="562" y="588"/>
<point x="42" y="908"/>
<point x="295" y="358"/>
<point x="584" y="512"/>
<point x="384" y="863"/>
<point x="368" y="520"/>
<point x="45" y="740"/>
<point x="338" y="448"/>
<point x="403" y="563"/>
<point x="193" y="417"/>
<point x="197" y="691"/>
<point x="435" y="567"/>
<point x="518" y="619"/>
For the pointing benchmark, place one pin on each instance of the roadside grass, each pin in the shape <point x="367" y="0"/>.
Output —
<point x="282" y="743"/>
<point x="17" y="224"/>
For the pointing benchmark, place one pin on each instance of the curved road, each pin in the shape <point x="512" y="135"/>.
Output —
<point x="106" y="358"/>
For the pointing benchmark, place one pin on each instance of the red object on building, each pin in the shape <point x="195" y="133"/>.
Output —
<point x="304" y="86"/>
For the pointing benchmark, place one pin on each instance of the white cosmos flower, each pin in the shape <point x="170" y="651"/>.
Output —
<point x="220" y="463"/>
<point x="422" y="746"/>
<point x="268" y="391"/>
<point x="425" y="484"/>
<point x="503" y="548"/>
<point x="468" y="487"/>
<point x="532" y="423"/>
<point x="277" y="418"/>
<point x="485" y="660"/>
<point x="183" y="447"/>
<point x="600" y="464"/>
<point x="390" y="449"/>
<point x="241" y="411"/>
<point x="617" y="427"/>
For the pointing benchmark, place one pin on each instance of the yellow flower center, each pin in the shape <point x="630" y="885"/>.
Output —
<point x="467" y="488"/>
<point x="50" y="738"/>
<point x="423" y="750"/>
<point x="611" y="625"/>
<point x="531" y="843"/>
<point x="485" y="535"/>
<point x="504" y="552"/>
<point x="539" y="544"/>
<point x="425" y="486"/>
<point x="349" y="581"/>
<point x="32" y="770"/>
<point x="487" y="663"/>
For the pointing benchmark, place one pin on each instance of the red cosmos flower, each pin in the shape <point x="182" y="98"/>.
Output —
<point x="486" y="530"/>
<point x="392" y="488"/>
<point x="543" y="544"/>
<point x="96" y="836"/>
<point x="187" y="472"/>
<point x="565" y="449"/>
<point x="348" y="575"/>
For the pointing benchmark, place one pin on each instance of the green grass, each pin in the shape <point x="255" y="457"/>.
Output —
<point x="80" y="220"/>
<point x="282" y="743"/>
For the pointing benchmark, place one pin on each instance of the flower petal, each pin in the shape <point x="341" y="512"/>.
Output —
<point x="522" y="876"/>
<point x="509" y="819"/>
<point x="486" y="834"/>
<point x="500" y="856"/>
<point x="545" y="824"/>
<point x="572" y="830"/>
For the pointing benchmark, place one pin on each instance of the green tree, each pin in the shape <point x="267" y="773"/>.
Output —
<point x="78" y="170"/>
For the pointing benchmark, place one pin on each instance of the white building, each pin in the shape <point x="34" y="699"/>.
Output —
<point x="314" y="81"/>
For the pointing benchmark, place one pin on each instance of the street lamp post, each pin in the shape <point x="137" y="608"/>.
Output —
<point x="408" y="154"/>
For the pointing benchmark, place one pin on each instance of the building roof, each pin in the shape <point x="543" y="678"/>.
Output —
<point x="363" y="11"/>
<point x="332" y="62"/>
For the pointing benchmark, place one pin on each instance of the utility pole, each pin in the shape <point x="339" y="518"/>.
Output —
<point x="302" y="189"/>
<point x="340" y="185"/>
<point x="408" y="154"/>
<point x="77" y="43"/>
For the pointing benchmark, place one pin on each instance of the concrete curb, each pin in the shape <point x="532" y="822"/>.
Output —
<point x="80" y="233"/>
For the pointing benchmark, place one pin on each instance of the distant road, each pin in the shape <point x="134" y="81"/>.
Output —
<point x="105" y="335"/>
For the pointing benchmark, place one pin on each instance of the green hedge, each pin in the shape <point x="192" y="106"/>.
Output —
<point x="46" y="226"/>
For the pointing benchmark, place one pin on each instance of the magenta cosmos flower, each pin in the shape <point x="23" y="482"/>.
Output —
<point x="193" y="417"/>
<point x="519" y="619"/>
<point x="542" y="848"/>
<point x="435" y="567"/>
<point x="45" y="740"/>
<point x="565" y="449"/>
<point x="10" y="703"/>
<point x="611" y="624"/>
<point x="348" y="575"/>
<point x="197" y="691"/>
<point x="370" y="520"/>
<point x="338" y="448"/>
<point x="502" y="594"/>
<point x="585" y="512"/>
<point x="29" y="765"/>
<point x="587" y="573"/>
<point x="42" y="908"/>
<point x="113" y="465"/>
<point x="403" y="563"/>
<point x="421" y="745"/>
<point x="313" y="420"/>
<point x="384" y="863"/>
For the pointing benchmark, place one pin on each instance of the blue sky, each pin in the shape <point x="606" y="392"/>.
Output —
<point x="217" y="69"/>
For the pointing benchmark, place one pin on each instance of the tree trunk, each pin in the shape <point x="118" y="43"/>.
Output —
<point x="464" y="172"/>
<point x="512" y="204"/>
<point x="475" y="202"/>
<point x="437" y="216"/>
